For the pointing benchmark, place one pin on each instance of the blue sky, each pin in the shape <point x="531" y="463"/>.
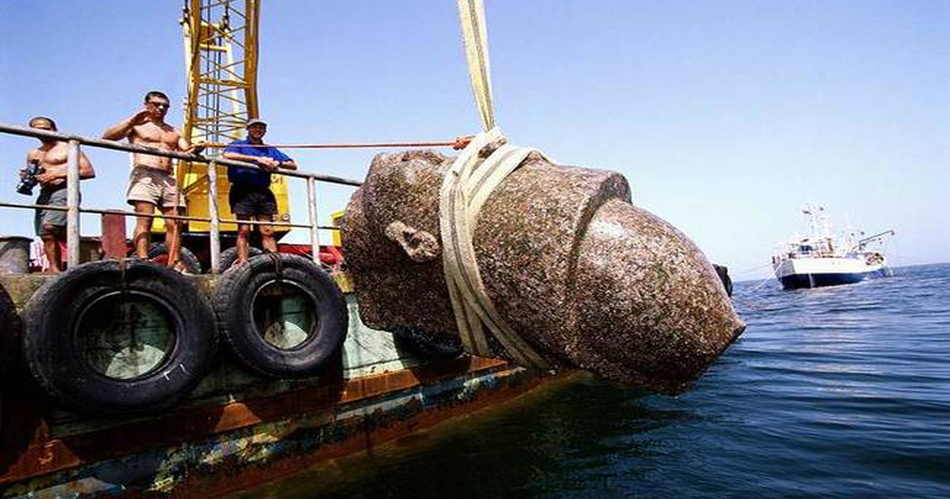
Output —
<point x="725" y="116"/>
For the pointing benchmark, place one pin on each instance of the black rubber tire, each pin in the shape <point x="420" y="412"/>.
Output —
<point x="158" y="253"/>
<point x="233" y="302"/>
<point x="427" y="346"/>
<point x="9" y="333"/>
<point x="229" y="256"/>
<point x="51" y="342"/>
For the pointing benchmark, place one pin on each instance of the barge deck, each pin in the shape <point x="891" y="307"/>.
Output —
<point x="236" y="429"/>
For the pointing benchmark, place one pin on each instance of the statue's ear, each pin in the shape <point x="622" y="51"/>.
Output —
<point x="420" y="245"/>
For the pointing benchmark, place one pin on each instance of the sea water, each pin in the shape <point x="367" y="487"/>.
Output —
<point x="832" y="392"/>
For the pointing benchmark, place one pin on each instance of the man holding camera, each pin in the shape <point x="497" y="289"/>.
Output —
<point x="48" y="167"/>
<point x="152" y="183"/>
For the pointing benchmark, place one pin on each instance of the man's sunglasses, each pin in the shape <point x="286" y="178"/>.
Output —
<point x="158" y="104"/>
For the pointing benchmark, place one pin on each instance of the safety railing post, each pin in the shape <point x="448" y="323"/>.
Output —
<point x="312" y="205"/>
<point x="72" y="204"/>
<point x="215" y="235"/>
<point x="74" y="209"/>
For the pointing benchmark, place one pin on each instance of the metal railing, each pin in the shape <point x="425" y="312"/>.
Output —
<point x="73" y="205"/>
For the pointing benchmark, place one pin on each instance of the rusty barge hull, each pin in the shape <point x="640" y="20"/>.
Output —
<point x="237" y="430"/>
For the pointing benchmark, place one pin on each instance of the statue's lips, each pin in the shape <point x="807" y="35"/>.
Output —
<point x="583" y="276"/>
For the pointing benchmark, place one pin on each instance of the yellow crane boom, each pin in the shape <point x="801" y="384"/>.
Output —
<point x="221" y="54"/>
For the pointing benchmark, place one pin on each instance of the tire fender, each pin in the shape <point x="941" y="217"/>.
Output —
<point x="427" y="346"/>
<point x="229" y="256"/>
<point x="9" y="333"/>
<point x="242" y="292"/>
<point x="57" y="336"/>
<point x="158" y="253"/>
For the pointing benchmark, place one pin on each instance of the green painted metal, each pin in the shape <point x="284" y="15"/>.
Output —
<point x="283" y="314"/>
<point x="125" y="335"/>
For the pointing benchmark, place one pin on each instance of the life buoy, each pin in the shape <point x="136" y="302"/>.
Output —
<point x="9" y="333"/>
<point x="229" y="256"/>
<point x="282" y="315"/>
<point x="158" y="253"/>
<point x="118" y="337"/>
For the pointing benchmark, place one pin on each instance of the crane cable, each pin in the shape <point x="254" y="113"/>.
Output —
<point x="475" y="36"/>
<point x="457" y="143"/>
<point x="465" y="189"/>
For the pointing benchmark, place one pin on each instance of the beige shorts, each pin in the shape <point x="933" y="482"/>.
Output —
<point x="155" y="186"/>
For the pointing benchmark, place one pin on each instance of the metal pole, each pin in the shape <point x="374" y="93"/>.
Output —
<point x="312" y="204"/>
<point x="122" y="146"/>
<point x="213" y="214"/>
<point x="72" y="205"/>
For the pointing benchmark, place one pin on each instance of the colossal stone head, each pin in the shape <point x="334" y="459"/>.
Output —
<point x="578" y="272"/>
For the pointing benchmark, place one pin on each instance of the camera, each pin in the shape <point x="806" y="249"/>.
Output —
<point x="28" y="181"/>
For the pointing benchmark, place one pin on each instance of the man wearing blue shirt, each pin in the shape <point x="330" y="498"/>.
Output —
<point x="251" y="197"/>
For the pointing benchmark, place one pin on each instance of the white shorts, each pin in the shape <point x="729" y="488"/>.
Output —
<point x="151" y="185"/>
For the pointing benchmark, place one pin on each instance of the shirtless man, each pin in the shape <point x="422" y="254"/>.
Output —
<point x="152" y="181"/>
<point x="52" y="156"/>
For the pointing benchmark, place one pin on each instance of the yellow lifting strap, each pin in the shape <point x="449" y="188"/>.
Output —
<point x="472" y="19"/>
<point x="466" y="187"/>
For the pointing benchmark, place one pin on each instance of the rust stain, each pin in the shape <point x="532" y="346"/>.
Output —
<point x="31" y="457"/>
<point x="237" y="480"/>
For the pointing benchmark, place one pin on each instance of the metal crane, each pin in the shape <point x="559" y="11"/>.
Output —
<point x="861" y="244"/>
<point x="221" y="54"/>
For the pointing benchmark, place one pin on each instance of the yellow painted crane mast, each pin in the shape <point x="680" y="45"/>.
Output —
<point x="221" y="53"/>
<point x="221" y="62"/>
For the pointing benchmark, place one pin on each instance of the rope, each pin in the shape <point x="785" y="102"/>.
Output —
<point x="458" y="144"/>
<point x="278" y="265"/>
<point x="466" y="187"/>
<point x="760" y="267"/>
<point x="761" y="284"/>
<point x="751" y="294"/>
<point x="123" y="267"/>
<point x="475" y="36"/>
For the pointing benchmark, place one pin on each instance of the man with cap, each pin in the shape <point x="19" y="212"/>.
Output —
<point x="251" y="197"/>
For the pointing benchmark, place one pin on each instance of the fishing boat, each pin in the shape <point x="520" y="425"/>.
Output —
<point x="820" y="258"/>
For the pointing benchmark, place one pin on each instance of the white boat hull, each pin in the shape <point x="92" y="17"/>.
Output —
<point x="816" y="272"/>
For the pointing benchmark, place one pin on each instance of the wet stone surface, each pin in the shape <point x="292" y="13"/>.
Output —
<point x="584" y="276"/>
